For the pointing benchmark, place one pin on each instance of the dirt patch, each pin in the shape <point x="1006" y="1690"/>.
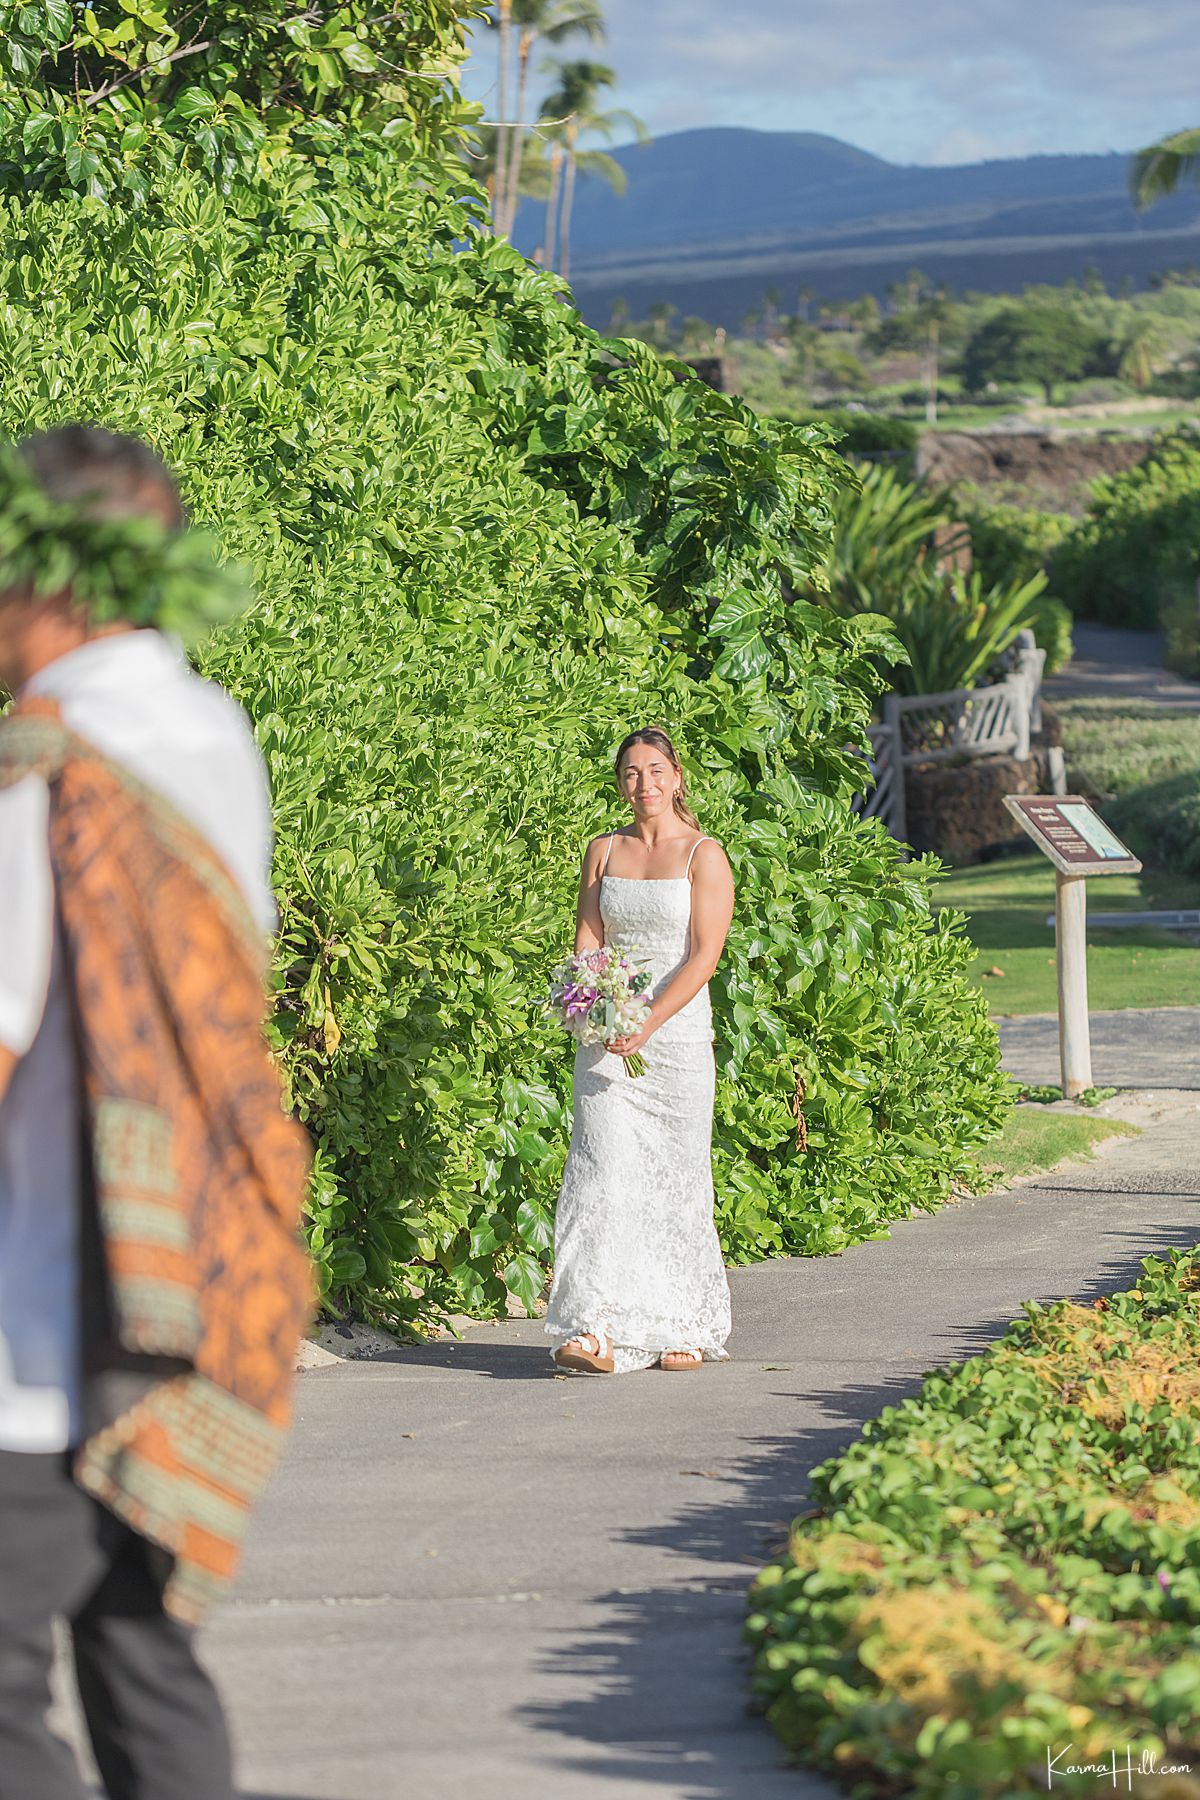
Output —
<point x="1038" y="468"/>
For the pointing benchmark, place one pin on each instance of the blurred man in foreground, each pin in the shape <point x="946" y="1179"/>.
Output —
<point x="152" y="1284"/>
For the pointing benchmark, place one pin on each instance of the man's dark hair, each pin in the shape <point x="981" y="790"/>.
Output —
<point x="107" y="473"/>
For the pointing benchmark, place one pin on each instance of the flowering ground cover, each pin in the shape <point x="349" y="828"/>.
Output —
<point x="1007" y="1565"/>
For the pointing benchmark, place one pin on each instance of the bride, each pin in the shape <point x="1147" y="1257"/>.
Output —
<point x="638" y="1275"/>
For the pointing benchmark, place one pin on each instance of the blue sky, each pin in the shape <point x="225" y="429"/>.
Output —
<point x="918" y="81"/>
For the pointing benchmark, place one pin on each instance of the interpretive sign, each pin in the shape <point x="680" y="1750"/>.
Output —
<point x="1080" y="845"/>
<point x="1075" y="838"/>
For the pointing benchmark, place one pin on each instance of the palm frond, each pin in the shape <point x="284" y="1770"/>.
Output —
<point x="599" y="162"/>
<point x="1161" y="168"/>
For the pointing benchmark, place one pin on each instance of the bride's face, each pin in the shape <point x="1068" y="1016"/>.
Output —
<point x="648" y="781"/>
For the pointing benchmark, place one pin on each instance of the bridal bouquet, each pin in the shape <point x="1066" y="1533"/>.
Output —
<point x="597" y="996"/>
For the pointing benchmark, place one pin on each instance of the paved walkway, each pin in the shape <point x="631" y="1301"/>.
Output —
<point x="1142" y="1049"/>
<point x="475" y="1578"/>
<point x="1111" y="664"/>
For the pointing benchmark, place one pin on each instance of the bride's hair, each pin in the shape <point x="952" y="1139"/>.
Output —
<point x="658" y="740"/>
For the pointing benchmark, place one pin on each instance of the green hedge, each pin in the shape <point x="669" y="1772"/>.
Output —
<point x="1009" y="1560"/>
<point x="1138" y="545"/>
<point x="1162" y="822"/>
<point x="1142" y="763"/>
<point x="1012" y="543"/>
<point x="866" y="434"/>
<point x="487" y="542"/>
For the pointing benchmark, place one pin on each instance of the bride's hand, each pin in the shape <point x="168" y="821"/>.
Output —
<point x="635" y="1040"/>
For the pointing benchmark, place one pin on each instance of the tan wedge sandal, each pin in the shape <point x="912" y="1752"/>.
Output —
<point x="678" y="1362"/>
<point x="576" y="1356"/>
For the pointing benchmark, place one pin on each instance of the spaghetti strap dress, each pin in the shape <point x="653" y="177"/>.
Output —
<point x="636" y="1253"/>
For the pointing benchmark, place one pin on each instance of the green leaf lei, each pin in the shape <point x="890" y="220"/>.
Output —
<point x="137" y="569"/>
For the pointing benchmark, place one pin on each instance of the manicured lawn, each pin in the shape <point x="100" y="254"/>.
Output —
<point x="1036" y="1138"/>
<point x="1118" y="746"/>
<point x="1007" y="903"/>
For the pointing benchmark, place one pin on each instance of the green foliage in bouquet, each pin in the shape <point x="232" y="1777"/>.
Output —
<point x="1137" y="549"/>
<point x="486" y="543"/>
<point x="1007" y="1561"/>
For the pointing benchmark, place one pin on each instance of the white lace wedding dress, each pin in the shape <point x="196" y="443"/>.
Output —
<point x="636" y="1255"/>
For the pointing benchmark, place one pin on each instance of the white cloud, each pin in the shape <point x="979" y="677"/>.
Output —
<point x="940" y="81"/>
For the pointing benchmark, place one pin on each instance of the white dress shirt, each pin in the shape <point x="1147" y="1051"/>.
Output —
<point x="134" y="698"/>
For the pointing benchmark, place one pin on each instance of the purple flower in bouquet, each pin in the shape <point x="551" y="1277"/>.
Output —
<point x="599" y="995"/>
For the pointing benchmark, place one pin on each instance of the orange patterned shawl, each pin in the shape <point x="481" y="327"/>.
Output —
<point x="196" y="1173"/>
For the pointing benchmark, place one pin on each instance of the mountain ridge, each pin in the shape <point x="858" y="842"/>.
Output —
<point x="727" y="204"/>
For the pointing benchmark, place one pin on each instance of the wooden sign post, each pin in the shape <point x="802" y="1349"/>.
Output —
<point x="1079" y="844"/>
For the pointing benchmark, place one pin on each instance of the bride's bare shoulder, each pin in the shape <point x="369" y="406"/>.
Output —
<point x="597" y="848"/>
<point x="707" y="854"/>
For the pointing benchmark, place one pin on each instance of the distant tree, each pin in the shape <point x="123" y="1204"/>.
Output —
<point x="500" y="19"/>
<point x="804" y="300"/>
<point x="772" y="300"/>
<point x="1138" y="354"/>
<point x="865" y="311"/>
<point x="548" y="21"/>
<point x="915" y="283"/>
<point x="1161" y="168"/>
<point x="1093" y="281"/>
<point x="934" y="314"/>
<point x="571" y="113"/>
<point x="1031" y="342"/>
<point x="696" y="335"/>
<point x="479" y="151"/>
<point x="660" y="316"/>
<point x="898" y="331"/>
<point x="618" y="315"/>
<point x="840" y="368"/>
<point x="805" y="340"/>
<point x="896" y="295"/>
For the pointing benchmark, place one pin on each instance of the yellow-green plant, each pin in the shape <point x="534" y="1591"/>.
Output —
<point x="1006" y="1564"/>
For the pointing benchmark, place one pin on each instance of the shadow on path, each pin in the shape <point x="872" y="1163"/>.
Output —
<point x="493" y="1357"/>
<point x="665" y="1668"/>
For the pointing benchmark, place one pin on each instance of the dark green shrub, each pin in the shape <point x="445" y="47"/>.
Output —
<point x="1138" y="545"/>
<point x="867" y="434"/>
<point x="1010" y="542"/>
<point x="1181" y="627"/>
<point x="1005" y="1562"/>
<point x="1161" y="822"/>
<point x="487" y="542"/>
<point x="1013" y="543"/>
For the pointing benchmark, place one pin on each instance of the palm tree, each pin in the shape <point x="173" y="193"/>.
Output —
<point x="935" y="311"/>
<point x="1159" y="169"/>
<point x="500" y="19"/>
<point x="479" y="150"/>
<point x="549" y="21"/>
<point x="571" y="112"/>
<point x="1140" y="352"/>
<point x="660" y="316"/>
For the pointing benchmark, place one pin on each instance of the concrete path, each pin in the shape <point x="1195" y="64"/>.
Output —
<point x="1111" y="664"/>
<point x="477" y="1578"/>
<point x="1144" y="1049"/>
